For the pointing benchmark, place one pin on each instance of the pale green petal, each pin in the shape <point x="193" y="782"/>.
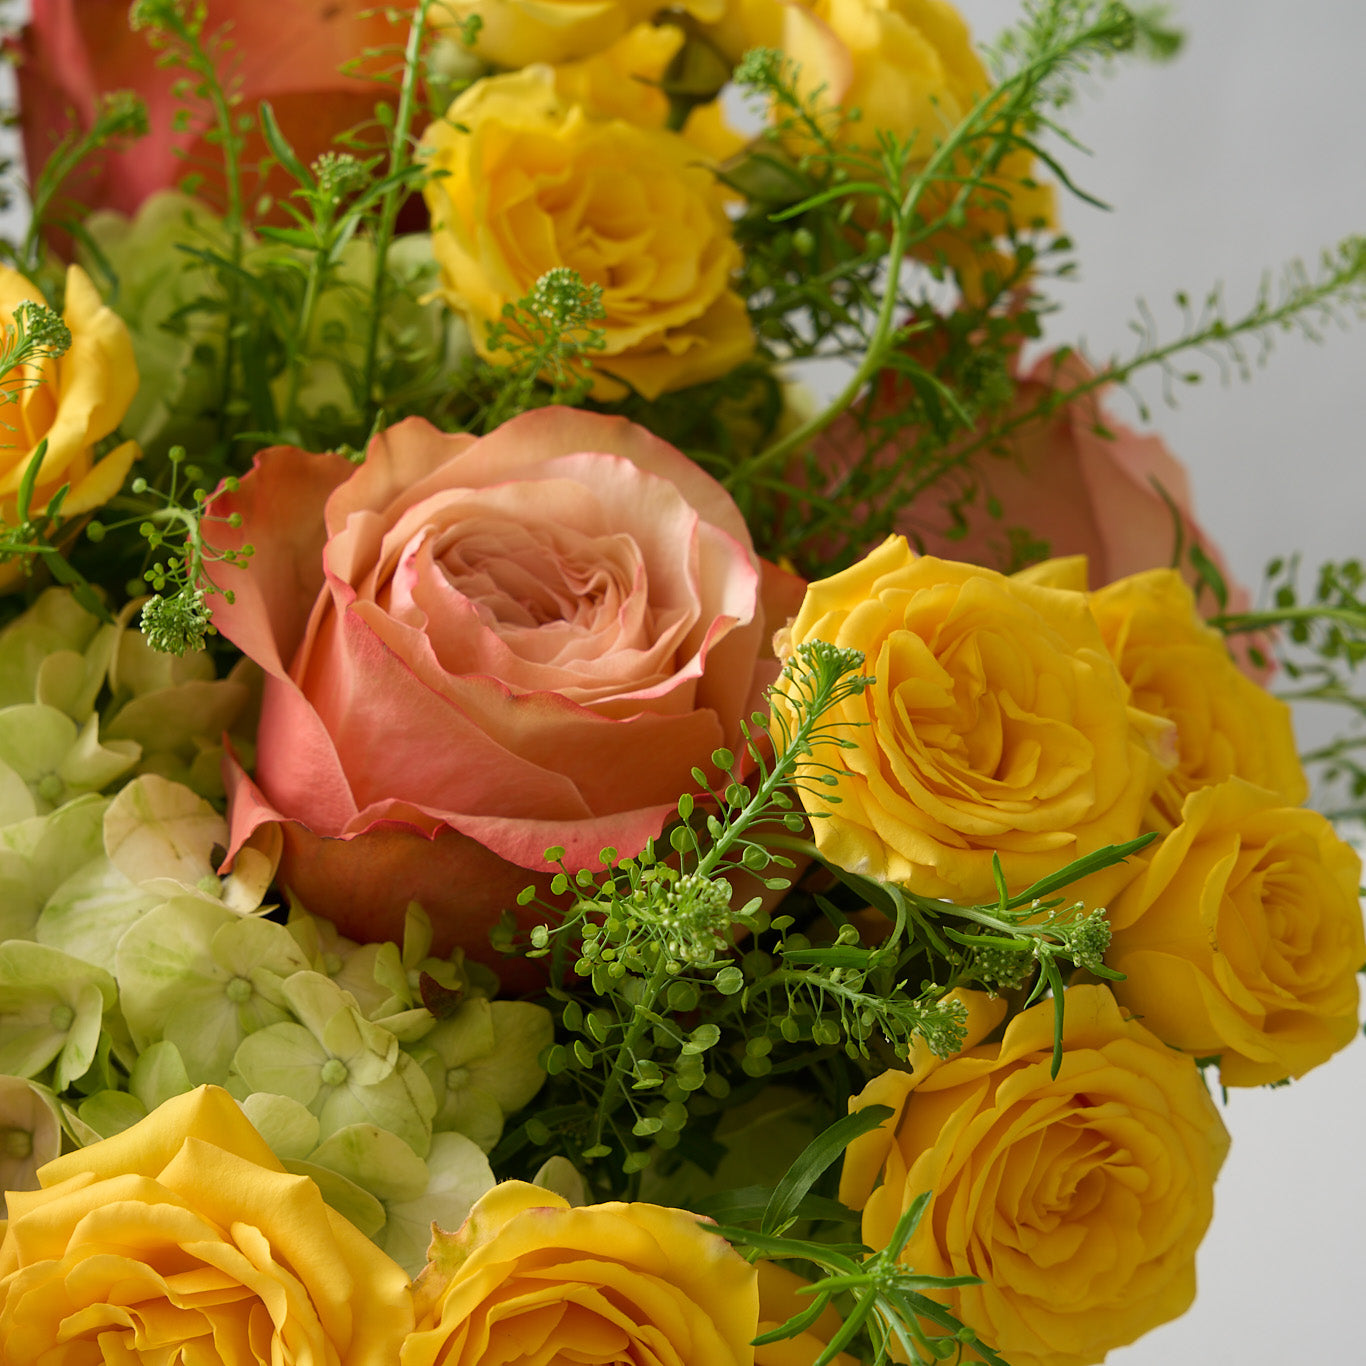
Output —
<point x="459" y="1175"/>
<point x="164" y="957"/>
<point x="92" y="763"/>
<point x="512" y="1074"/>
<point x="402" y="1103"/>
<point x="373" y="974"/>
<point x="82" y="1039"/>
<point x="161" y="835"/>
<point x="374" y="1159"/>
<point x="560" y="1175"/>
<point x="139" y="669"/>
<point x="17" y="803"/>
<point x="469" y="1111"/>
<point x="179" y="721"/>
<point x="289" y="1128"/>
<point x="49" y="1003"/>
<point x="70" y="680"/>
<point x="417" y="936"/>
<point x="347" y="1198"/>
<point x="54" y="623"/>
<point x="30" y="1134"/>
<point x="111" y="1112"/>
<point x="88" y="913"/>
<point x="325" y="947"/>
<point x="409" y="1026"/>
<point x="465" y="1036"/>
<point x="284" y="1058"/>
<point x="159" y="1074"/>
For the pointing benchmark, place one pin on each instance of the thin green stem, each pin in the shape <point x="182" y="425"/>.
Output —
<point x="640" y="1022"/>
<point x="392" y="201"/>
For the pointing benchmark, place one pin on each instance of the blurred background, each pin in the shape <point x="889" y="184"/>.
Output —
<point x="1240" y="156"/>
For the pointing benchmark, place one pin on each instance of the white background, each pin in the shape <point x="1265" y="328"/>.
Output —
<point x="1246" y="153"/>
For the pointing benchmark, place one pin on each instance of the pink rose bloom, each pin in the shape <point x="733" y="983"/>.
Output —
<point x="1082" y="492"/>
<point x="286" y="51"/>
<point x="477" y="648"/>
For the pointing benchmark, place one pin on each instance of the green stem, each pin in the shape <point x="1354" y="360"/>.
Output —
<point x="988" y="109"/>
<point x="399" y="161"/>
<point x="640" y="1022"/>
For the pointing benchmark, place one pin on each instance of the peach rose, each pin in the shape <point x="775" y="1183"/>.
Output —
<point x="286" y="51"/>
<point x="527" y="1278"/>
<point x="72" y="403"/>
<point x="997" y="724"/>
<point x="476" y="649"/>
<point x="183" y="1239"/>
<point x="1079" y="1201"/>
<point x="1242" y="936"/>
<point x="1123" y="499"/>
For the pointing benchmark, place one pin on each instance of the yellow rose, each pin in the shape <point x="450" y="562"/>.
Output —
<point x="74" y="402"/>
<point x="529" y="182"/>
<point x="997" y="722"/>
<point x="1079" y="1201"/>
<point x="623" y="81"/>
<point x="1242" y="936"/>
<point x="519" y="32"/>
<point x="528" y="1278"/>
<point x="910" y="69"/>
<point x="183" y="1240"/>
<point x="1176" y="666"/>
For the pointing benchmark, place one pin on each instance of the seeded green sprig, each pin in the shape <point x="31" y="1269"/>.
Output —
<point x="543" y="344"/>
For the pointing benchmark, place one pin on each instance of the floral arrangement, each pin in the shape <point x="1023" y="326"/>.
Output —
<point x="528" y="833"/>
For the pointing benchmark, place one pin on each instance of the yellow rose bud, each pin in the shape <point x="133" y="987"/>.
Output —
<point x="1226" y="725"/>
<point x="1079" y="1200"/>
<point x="997" y="722"/>
<point x="1242" y="936"/>
<point x="527" y="1277"/>
<point x="183" y="1239"/>
<point x="529" y="183"/>
<point x="72" y="402"/>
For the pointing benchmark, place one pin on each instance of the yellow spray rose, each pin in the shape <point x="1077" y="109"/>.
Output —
<point x="528" y="181"/>
<point x="518" y="32"/>
<point x="1226" y="725"/>
<point x="182" y="1239"/>
<point x="997" y="722"/>
<point x="72" y="402"/>
<point x="527" y="1278"/>
<point x="910" y="70"/>
<point x="1242" y="936"/>
<point x="1079" y="1200"/>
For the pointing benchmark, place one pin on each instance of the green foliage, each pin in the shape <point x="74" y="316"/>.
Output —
<point x="1319" y="636"/>
<point x="886" y="1306"/>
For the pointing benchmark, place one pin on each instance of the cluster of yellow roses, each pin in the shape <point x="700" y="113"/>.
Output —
<point x="564" y="156"/>
<point x="184" y="1239"/>
<point x="1027" y="716"/>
